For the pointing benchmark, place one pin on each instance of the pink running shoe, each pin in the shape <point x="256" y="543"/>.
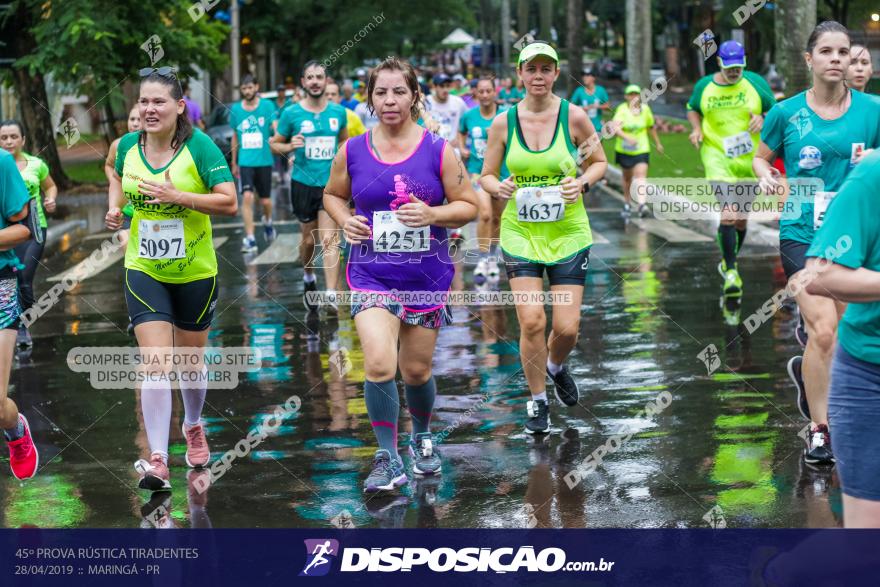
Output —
<point x="197" y="452"/>
<point x="154" y="473"/>
<point x="23" y="456"/>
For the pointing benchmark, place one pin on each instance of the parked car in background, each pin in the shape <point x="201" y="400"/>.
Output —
<point x="608" y="68"/>
<point x="657" y="71"/>
<point x="217" y="125"/>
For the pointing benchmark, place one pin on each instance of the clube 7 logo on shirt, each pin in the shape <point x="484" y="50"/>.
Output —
<point x="320" y="554"/>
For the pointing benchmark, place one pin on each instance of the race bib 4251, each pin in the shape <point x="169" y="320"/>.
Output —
<point x="390" y="235"/>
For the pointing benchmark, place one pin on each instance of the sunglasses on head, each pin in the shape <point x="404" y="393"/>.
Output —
<point x="165" y="71"/>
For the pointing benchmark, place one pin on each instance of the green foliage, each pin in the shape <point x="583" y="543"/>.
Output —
<point x="94" y="45"/>
<point x="306" y="29"/>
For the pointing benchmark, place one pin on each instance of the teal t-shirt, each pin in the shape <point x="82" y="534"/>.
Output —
<point x="253" y="129"/>
<point x="476" y="128"/>
<point x="13" y="197"/>
<point x="321" y="131"/>
<point x="511" y="96"/>
<point x="854" y="214"/>
<point x="815" y="148"/>
<point x="580" y="97"/>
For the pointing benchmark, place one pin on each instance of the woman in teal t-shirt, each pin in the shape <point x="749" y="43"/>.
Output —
<point x="592" y="98"/>
<point x="821" y="134"/>
<point x="850" y="238"/>
<point x="36" y="178"/>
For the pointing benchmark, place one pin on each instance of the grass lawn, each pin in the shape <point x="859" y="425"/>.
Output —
<point x="680" y="159"/>
<point x="86" y="172"/>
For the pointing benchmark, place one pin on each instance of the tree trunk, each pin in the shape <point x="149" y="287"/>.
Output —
<point x="574" y="39"/>
<point x="522" y="17"/>
<point x="505" y="37"/>
<point x="545" y="19"/>
<point x="111" y="133"/>
<point x="795" y="20"/>
<point x="31" y="90"/>
<point x="638" y="41"/>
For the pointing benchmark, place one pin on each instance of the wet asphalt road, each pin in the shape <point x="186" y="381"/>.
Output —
<point x="724" y="451"/>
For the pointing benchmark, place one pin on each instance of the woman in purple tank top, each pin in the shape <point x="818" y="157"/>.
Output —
<point x="408" y="187"/>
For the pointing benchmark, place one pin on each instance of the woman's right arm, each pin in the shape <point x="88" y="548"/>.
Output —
<point x="337" y="194"/>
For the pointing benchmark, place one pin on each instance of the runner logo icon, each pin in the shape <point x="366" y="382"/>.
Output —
<point x="319" y="555"/>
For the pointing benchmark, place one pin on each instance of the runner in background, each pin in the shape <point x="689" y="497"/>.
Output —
<point x="822" y="133"/>
<point x="347" y="99"/>
<point x="252" y="120"/>
<point x="474" y="137"/>
<point x="175" y="177"/>
<point x="407" y="190"/>
<point x="726" y="112"/>
<point x="445" y="109"/>
<point x="312" y="129"/>
<point x="133" y="123"/>
<point x="35" y="174"/>
<point x="282" y="102"/>
<point x="544" y="227"/>
<point x="592" y="98"/>
<point x="192" y="108"/>
<point x="633" y="152"/>
<point x="17" y="225"/>
<point x="355" y="126"/>
<point x="860" y="69"/>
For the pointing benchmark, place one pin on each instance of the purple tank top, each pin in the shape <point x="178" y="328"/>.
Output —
<point x="378" y="186"/>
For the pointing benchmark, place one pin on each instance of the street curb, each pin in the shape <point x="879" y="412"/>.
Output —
<point x="70" y="232"/>
<point x="760" y="235"/>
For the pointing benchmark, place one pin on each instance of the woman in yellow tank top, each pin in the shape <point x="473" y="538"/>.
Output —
<point x="544" y="226"/>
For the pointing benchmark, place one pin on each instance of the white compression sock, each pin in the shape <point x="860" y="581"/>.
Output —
<point x="156" y="408"/>
<point x="193" y="391"/>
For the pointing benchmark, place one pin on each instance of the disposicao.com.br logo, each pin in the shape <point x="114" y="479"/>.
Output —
<point x="442" y="560"/>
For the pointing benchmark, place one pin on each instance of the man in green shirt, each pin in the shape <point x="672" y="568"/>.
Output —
<point x="726" y="114"/>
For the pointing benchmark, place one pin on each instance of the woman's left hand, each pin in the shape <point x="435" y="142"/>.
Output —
<point x="161" y="193"/>
<point x="49" y="205"/>
<point x="416" y="213"/>
<point x="571" y="188"/>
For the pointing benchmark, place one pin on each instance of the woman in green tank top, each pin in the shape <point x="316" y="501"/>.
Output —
<point x="544" y="226"/>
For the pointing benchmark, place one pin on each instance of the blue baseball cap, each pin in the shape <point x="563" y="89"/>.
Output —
<point x="732" y="54"/>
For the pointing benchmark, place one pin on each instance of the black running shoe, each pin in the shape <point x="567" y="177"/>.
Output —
<point x="539" y="417"/>
<point x="818" y="451"/>
<point x="310" y="287"/>
<point x="566" y="387"/>
<point x="800" y="332"/>
<point x="794" y="371"/>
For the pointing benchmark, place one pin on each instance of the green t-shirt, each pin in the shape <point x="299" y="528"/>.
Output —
<point x="33" y="175"/>
<point x="728" y="148"/>
<point x="312" y="162"/>
<point x="253" y="129"/>
<point x="815" y="148"/>
<point x="13" y="197"/>
<point x="854" y="214"/>
<point x="176" y="245"/>
<point x="636" y="125"/>
<point x="476" y="128"/>
<point x="580" y="97"/>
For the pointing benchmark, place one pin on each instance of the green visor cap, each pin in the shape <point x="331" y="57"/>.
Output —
<point x="533" y="50"/>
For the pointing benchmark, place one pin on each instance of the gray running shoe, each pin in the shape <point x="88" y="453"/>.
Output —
<point x="426" y="459"/>
<point x="387" y="474"/>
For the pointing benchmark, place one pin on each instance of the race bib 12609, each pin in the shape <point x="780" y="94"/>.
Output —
<point x="320" y="148"/>
<point x="820" y="206"/>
